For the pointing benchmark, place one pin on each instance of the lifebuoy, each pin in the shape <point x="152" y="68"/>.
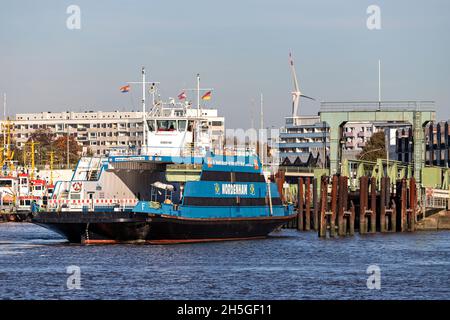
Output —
<point x="76" y="186"/>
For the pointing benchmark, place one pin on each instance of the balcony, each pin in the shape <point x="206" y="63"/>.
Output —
<point x="349" y="145"/>
<point x="348" y="134"/>
<point x="361" y="144"/>
<point x="303" y="145"/>
<point x="361" y="134"/>
<point x="303" y="135"/>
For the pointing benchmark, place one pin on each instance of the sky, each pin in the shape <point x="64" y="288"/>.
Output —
<point x="240" y="48"/>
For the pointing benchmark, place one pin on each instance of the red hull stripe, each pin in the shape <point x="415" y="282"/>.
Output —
<point x="175" y="241"/>
<point x="171" y="241"/>
<point x="101" y="242"/>
<point x="221" y="220"/>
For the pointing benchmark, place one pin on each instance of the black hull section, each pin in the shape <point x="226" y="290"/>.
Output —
<point x="85" y="227"/>
<point x="121" y="227"/>
<point x="169" y="229"/>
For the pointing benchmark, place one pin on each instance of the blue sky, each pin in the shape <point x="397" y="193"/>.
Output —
<point x="240" y="48"/>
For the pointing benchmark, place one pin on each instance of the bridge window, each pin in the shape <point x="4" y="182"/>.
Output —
<point x="182" y="125"/>
<point x="151" y="125"/>
<point x="166" y="125"/>
<point x="190" y="125"/>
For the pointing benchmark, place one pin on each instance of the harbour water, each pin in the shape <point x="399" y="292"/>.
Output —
<point x="288" y="265"/>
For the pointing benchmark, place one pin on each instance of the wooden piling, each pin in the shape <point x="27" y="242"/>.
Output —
<point x="363" y="203"/>
<point x="403" y="206"/>
<point x="351" y="219"/>
<point x="307" y="204"/>
<point x="334" y="202"/>
<point x="323" y="206"/>
<point x="412" y="204"/>
<point x="300" y="205"/>
<point x="280" y="179"/>
<point x="342" y="205"/>
<point x="373" y="205"/>
<point x="387" y="207"/>
<point x="393" y="216"/>
<point x="315" y="218"/>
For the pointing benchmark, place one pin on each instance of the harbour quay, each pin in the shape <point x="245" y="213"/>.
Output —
<point x="407" y="190"/>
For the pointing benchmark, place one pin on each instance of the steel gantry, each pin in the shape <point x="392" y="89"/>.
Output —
<point x="414" y="113"/>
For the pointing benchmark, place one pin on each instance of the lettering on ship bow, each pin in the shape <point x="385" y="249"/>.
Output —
<point x="234" y="189"/>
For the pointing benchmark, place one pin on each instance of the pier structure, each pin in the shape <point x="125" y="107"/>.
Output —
<point x="414" y="113"/>
<point x="328" y="206"/>
<point x="383" y="196"/>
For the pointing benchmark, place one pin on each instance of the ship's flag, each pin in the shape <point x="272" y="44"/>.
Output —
<point x="125" y="89"/>
<point x="182" y="96"/>
<point x="207" y="96"/>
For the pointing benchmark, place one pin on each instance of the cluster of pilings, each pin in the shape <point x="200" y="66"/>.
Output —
<point x="382" y="206"/>
<point x="333" y="210"/>
<point x="337" y="214"/>
<point x="307" y="214"/>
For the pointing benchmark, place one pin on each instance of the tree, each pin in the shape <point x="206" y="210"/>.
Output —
<point x="60" y="148"/>
<point x="44" y="139"/>
<point x="89" y="152"/>
<point x="375" y="148"/>
<point x="43" y="136"/>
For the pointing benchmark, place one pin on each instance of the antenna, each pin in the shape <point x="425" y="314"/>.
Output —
<point x="296" y="94"/>
<point x="262" y="111"/>
<point x="4" y="106"/>
<point x="144" y="141"/>
<point x="4" y="125"/>
<point x="198" y="95"/>
<point x="144" y="115"/>
<point x="252" y="119"/>
<point x="261" y="135"/>
<point x="379" y="84"/>
<point x="197" y="91"/>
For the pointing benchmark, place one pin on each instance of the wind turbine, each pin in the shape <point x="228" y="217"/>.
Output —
<point x="296" y="94"/>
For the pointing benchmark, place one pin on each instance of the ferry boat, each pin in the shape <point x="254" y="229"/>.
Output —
<point x="176" y="188"/>
<point x="230" y="200"/>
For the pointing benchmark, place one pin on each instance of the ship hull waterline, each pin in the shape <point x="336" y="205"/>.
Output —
<point x="123" y="227"/>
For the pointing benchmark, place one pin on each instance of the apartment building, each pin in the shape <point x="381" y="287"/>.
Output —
<point x="98" y="131"/>
<point x="301" y="137"/>
<point x="355" y="136"/>
<point x="304" y="137"/>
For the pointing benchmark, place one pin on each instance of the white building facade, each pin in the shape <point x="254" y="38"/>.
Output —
<point x="98" y="131"/>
